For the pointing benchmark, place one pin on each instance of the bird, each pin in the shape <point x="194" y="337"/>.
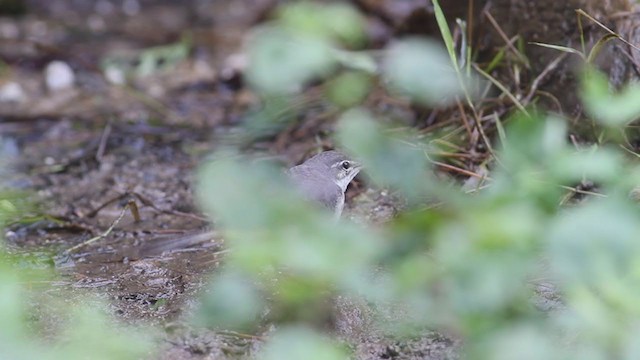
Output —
<point x="324" y="178"/>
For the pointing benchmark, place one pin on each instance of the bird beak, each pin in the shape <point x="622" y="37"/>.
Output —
<point x="357" y="165"/>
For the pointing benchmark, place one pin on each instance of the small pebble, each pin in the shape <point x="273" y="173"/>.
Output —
<point x="59" y="76"/>
<point x="12" y="92"/>
<point x="49" y="161"/>
<point x="114" y="75"/>
<point x="9" y="30"/>
<point x="10" y="235"/>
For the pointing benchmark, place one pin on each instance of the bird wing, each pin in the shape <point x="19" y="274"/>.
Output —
<point x="315" y="186"/>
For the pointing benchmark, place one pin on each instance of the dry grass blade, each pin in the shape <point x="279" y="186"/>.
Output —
<point x="506" y="91"/>
<point x="465" y="122"/>
<point x="560" y="48"/>
<point x="497" y="59"/>
<point x="460" y="171"/>
<point x="583" y="13"/>
<point x="502" y="134"/>
<point x="448" y="40"/>
<point x="504" y="37"/>
<point x="103" y="235"/>
<point x="536" y="82"/>
<point x="595" y="50"/>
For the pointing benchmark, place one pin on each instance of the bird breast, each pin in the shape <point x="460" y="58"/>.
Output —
<point x="316" y="186"/>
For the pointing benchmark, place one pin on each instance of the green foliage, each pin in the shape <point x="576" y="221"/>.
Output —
<point x="302" y="45"/>
<point x="309" y="42"/>
<point x="335" y="22"/>
<point x="470" y="265"/>
<point x="231" y="301"/>
<point x="608" y="109"/>
<point x="147" y="61"/>
<point x="301" y="343"/>
<point x="271" y="228"/>
<point x="421" y="69"/>
<point x="37" y="326"/>
<point x="349" y="88"/>
<point x="281" y="60"/>
<point x="383" y="155"/>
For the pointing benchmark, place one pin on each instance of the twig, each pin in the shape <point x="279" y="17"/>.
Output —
<point x="464" y="119"/>
<point x="536" y="82"/>
<point x="583" y="13"/>
<point x="147" y="202"/>
<point x="134" y="210"/>
<point x="95" y="211"/>
<point x="503" y="89"/>
<point x="103" y="142"/>
<point x="504" y="37"/>
<point x="461" y="171"/>
<point x="101" y="236"/>
<point x="241" y="335"/>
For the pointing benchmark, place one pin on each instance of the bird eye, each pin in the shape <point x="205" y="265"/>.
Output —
<point x="345" y="165"/>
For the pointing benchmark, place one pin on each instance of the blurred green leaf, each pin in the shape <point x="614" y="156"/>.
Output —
<point x="146" y="61"/>
<point x="337" y="21"/>
<point x="346" y="23"/>
<point x="585" y="249"/>
<point x="295" y="343"/>
<point x="421" y="69"/>
<point x="231" y="302"/>
<point x="270" y="225"/>
<point x="83" y="330"/>
<point x="484" y="263"/>
<point x="282" y="61"/>
<point x="532" y="140"/>
<point x="602" y="165"/>
<point x="605" y="107"/>
<point x="526" y="341"/>
<point x="359" y="61"/>
<point x="349" y="88"/>
<point x="390" y="160"/>
<point x="90" y="334"/>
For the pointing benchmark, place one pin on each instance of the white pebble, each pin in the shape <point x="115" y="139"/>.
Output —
<point x="12" y="92"/>
<point x="59" y="76"/>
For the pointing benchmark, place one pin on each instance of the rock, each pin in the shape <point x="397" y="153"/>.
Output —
<point x="12" y="92"/>
<point x="59" y="76"/>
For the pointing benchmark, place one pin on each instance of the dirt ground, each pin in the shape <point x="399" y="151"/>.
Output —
<point x="89" y="150"/>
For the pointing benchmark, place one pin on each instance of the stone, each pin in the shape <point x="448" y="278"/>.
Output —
<point x="12" y="92"/>
<point x="59" y="76"/>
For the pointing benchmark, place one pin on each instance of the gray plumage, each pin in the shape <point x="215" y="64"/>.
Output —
<point x="324" y="178"/>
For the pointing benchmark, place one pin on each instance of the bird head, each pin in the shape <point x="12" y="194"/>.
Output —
<point x="339" y="167"/>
